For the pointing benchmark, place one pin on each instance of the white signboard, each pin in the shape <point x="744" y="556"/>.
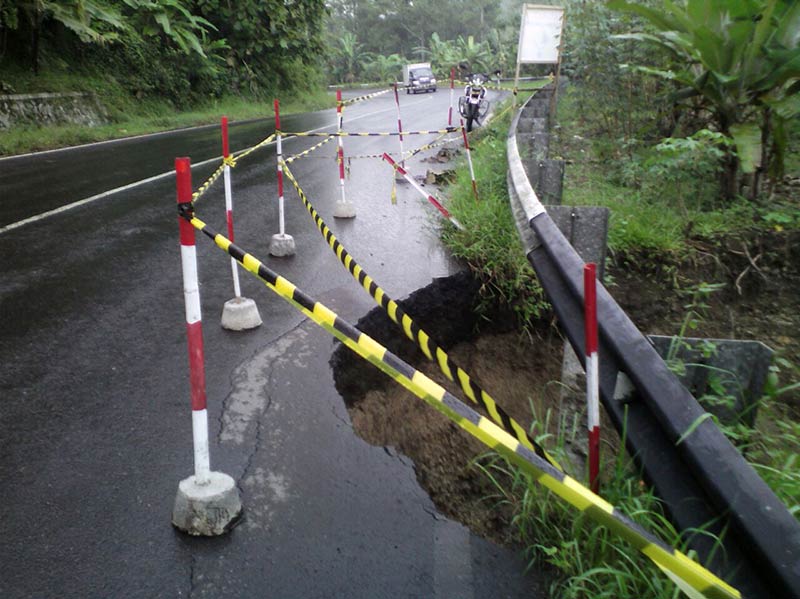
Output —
<point x="540" y="34"/>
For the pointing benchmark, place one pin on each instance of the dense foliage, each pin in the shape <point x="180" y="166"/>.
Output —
<point x="174" y="49"/>
<point x="736" y="63"/>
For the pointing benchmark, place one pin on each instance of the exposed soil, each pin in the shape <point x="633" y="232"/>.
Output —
<point x="522" y="372"/>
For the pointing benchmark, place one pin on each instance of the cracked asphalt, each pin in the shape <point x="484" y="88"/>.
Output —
<point x="95" y="426"/>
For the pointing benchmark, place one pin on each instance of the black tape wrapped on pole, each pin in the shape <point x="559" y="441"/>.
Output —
<point x="702" y="480"/>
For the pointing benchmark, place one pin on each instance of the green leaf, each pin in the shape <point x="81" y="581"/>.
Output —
<point x="693" y="427"/>
<point x="747" y="137"/>
<point x="163" y="20"/>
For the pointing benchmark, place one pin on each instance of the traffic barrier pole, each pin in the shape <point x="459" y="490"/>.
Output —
<point x="194" y="327"/>
<point x="399" y="126"/>
<point x="343" y="208"/>
<point x="207" y="503"/>
<point x="427" y="196"/>
<point x="452" y="91"/>
<point x="592" y="372"/>
<point x="239" y="313"/>
<point x="281" y="243"/>
<point x="226" y="153"/>
<point x="469" y="161"/>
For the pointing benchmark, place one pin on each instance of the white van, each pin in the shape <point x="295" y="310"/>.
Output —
<point x="418" y="77"/>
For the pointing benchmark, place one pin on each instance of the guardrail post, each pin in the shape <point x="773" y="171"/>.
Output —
<point x="281" y="243"/>
<point x="343" y="208"/>
<point x="239" y="313"/>
<point x="207" y="502"/>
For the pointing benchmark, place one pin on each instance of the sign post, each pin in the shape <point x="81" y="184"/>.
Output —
<point x="541" y="41"/>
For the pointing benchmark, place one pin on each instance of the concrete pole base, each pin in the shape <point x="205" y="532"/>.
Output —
<point x="240" y="314"/>
<point x="207" y="510"/>
<point x="282" y="245"/>
<point x="344" y="209"/>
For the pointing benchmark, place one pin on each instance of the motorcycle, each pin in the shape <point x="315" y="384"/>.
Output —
<point x="473" y="106"/>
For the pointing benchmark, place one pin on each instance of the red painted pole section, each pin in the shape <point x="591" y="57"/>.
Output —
<point x="592" y="372"/>
<point x="225" y="153"/>
<point x="194" y="327"/>
<point x="340" y="151"/>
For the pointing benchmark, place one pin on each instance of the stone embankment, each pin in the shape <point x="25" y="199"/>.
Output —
<point x="51" y="109"/>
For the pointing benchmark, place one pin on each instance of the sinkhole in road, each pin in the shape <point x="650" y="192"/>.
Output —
<point x="520" y="370"/>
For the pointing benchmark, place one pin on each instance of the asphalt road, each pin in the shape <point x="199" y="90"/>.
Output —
<point x="95" y="426"/>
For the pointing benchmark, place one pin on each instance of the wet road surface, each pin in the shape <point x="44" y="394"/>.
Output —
<point x="95" y="426"/>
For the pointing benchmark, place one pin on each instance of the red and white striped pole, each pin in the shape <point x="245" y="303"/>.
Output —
<point x="279" y="146"/>
<point x="427" y="196"/>
<point x="281" y="243"/>
<point x="469" y="160"/>
<point x="229" y="202"/>
<point x="239" y="313"/>
<point x="592" y="372"/>
<point x="194" y="327"/>
<point x="399" y="126"/>
<point x="343" y="208"/>
<point x="452" y="91"/>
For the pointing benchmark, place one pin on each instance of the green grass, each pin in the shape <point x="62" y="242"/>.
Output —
<point x="591" y="561"/>
<point x="490" y="243"/>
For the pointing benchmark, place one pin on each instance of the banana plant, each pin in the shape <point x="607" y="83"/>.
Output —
<point x="741" y="60"/>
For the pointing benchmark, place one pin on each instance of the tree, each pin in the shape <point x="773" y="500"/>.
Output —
<point x="348" y="58"/>
<point x="92" y="21"/>
<point x="741" y="60"/>
<point x="269" y="40"/>
<point x="385" y="69"/>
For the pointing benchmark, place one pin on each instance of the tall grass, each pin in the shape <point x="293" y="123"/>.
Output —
<point x="490" y="243"/>
<point x="591" y="561"/>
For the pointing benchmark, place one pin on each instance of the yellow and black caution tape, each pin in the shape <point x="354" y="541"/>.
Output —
<point x="309" y="150"/>
<point x="367" y="97"/>
<point x="368" y="134"/>
<point x="230" y="161"/>
<point x="409" y="153"/>
<point x="428" y="346"/>
<point x="688" y="575"/>
<point x="208" y="183"/>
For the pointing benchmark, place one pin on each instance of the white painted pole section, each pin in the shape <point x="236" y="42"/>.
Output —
<point x="229" y="208"/>
<point x="399" y="127"/>
<point x="202" y="461"/>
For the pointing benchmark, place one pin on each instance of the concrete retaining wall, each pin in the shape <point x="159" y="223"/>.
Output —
<point x="50" y="109"/>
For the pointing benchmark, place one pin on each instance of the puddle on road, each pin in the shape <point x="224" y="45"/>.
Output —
<point x="519" y="372"/>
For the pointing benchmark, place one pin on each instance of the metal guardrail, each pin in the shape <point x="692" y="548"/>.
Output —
<point x="705" y="483"/>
